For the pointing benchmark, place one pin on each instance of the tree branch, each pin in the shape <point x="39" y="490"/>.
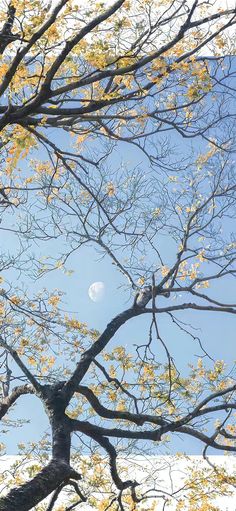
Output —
<point x="11" y="399"/>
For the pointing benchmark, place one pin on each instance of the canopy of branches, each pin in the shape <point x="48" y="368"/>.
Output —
<point x="116" y="133"/>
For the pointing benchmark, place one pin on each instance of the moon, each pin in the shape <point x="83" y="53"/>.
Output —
<point x="96" y="291"/>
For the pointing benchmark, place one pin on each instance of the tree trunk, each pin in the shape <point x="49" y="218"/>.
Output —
<point x="31" y="493"/>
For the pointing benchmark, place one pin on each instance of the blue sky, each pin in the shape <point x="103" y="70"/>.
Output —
<point x="215" y="330"/>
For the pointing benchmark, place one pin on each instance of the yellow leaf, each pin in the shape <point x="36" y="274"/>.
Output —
<point x="54" y="300"/>
<point x="110" y="189"/>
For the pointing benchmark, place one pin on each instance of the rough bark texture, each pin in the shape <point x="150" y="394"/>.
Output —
<point x="34" y="491"/>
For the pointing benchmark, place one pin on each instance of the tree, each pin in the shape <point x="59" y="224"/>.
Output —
<point x="78" y="84"/>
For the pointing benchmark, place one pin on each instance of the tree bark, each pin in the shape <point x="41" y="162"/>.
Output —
<point x="58" y="471"/>
<point x="33" y="492"/>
